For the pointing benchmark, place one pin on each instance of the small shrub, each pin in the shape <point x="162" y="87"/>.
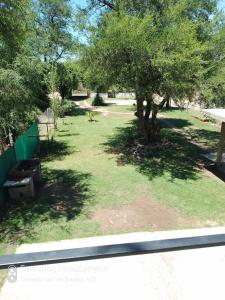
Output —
<point x="98" y="100"/>
<point x="91" y="115"/>
<point x="66" y="107"/>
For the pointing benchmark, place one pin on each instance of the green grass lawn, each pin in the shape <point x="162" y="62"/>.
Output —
<point x="92" y="165"/>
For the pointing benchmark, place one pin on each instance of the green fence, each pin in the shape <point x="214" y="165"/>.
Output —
<point x="7" y="161"/>
<point x="27" y="143"/>
<point x="25" y="146"/>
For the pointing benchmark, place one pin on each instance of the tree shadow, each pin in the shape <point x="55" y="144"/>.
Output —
<point x="64" y="194"/>
<point x="78" y="98"/>
<point x="63" y="130"/>
<point x="220" y="173"/>
<point x="172" y="155"/>
<point x="204" y="137"/>
<point x="68" y="134"/>
<point x="165" y="109"/>
<point x="208" y="138"/>
<point x="77" y="111"/>
<point x="178" y="123"/>
<point x="54" y="150"/>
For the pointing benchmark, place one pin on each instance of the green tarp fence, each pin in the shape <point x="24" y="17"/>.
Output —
<point x="7" y="161"/>
<point x="27" y="143"/>
<point x="24" y="148"/>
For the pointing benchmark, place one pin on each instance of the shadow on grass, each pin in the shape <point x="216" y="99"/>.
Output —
<point x="178" y="123"/>
<point x="164" y="109"/>
<point x="173" y="154"/>
<point x="63" y="195"/>
<point x="213" y="169"/>
<point x="68" y="134"/>
<point x="78" y="98"/>
<point x="208" y="138"/>
<point x="205" y="137"/>
<point x="54" y="150"/>
<point x="77" y="111"/>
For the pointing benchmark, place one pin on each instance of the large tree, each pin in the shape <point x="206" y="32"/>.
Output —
<point x="27" y="38"/>
<point x="212" y="92"/>
<point x="53" y="39"/>
<point x="14" y="15"/>
<point x="68" y="78"/>
<point x="153" y="52"/>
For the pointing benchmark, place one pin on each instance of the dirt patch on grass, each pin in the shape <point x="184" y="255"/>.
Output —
<point x="142" y="214"/>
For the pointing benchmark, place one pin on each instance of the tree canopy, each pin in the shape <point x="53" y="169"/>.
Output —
<point x="161" y="49"/>
<point x="68" y="78"/>
<point x="33" y="35"/>
<point x="157" y="48"/>
<point x="53" y="38"/>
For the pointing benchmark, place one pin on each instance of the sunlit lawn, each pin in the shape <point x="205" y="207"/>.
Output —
<point x="83" y="172"/>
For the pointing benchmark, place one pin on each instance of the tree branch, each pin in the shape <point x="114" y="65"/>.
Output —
<point x="107" y="3"/>
<point x="161" y="104"/>
<point x="59" y="55"/>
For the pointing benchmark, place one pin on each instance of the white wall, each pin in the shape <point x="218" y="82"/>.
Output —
<point x="118" y="95"/>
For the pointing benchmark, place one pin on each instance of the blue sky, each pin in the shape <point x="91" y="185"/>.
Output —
<point x="221" y="3"/>
<point x="79" y="2"/>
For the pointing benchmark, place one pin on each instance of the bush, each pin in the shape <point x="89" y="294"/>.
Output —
<point x="66" y="107"/>
<point x="60" y="108"/>
<point x="91" y="115"/>
<point x="98" y="100"/>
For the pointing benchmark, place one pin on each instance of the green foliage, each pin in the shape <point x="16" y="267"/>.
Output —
<point x="55" y="101"/>
<point x="67" y="78"/>
<point x="91" y="115"/>
<point x="65" y="108"/>
<point x="59" y="107"/>
<point x="16" y="109"/>
<point x="213" y="85"/>
<point x="55" y="104"/>
<point x="14" y="16"/>
<point x="98" y="100"/>
<point x="53" y="39"/>
<point x="23" y="92"/>
<point x="152" y="47"/>
<point x="34" y="73"/>
<point x="33" y="36"/>
<point x="132" y="51"/>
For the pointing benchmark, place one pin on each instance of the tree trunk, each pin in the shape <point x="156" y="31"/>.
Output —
<point x="148" y="108"/>
<point x="145" y="128"/>
<point x="140" y="108"/>
<point x="149" y="126"/>
<point x="143" y="115"/>
<point x="154" y="128"/>
<point x="155" y="109"/>
<point x="168" y="102"/>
